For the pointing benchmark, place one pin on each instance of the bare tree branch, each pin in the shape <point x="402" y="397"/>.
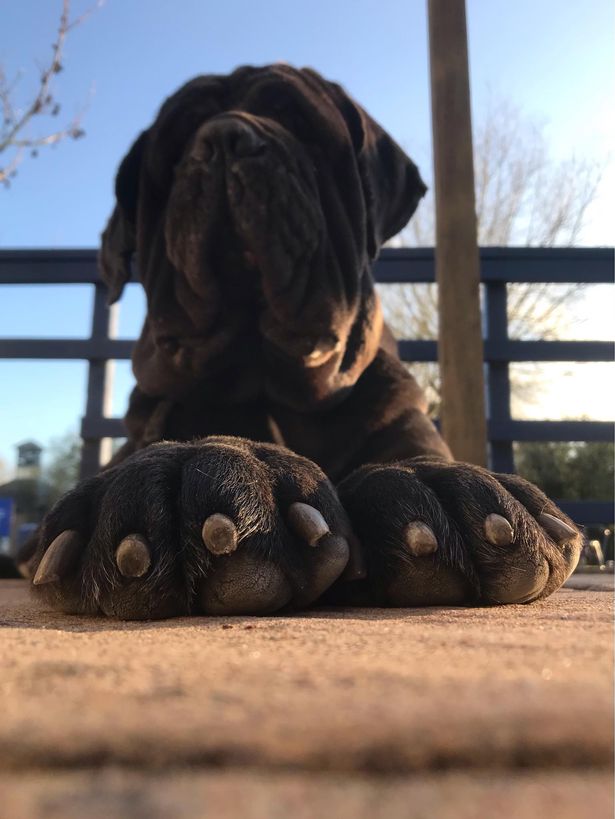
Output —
<point x="522" y="197"/>
<point x="15" y="120"/>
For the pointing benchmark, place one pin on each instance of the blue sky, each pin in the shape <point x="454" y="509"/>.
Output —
<point x="553" y="58"/>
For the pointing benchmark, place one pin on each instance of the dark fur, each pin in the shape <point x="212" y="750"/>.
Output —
<point x="255" y="205"/>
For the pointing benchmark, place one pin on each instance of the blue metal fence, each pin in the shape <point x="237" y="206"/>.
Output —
<point x="499" y="267"/>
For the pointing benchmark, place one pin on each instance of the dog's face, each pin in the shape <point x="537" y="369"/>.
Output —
<point x="255" y="186"/>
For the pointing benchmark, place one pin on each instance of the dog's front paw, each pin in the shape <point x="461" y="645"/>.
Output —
<point x="220" y="526"/>
<point x="439" y="533"/>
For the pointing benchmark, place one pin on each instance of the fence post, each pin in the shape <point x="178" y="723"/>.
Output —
<point x="498" y="376"/>
<point x="460" y="348"/>
<point x="96" y="451"/>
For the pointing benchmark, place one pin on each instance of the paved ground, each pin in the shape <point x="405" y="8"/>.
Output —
<point x="595" y="581"/>
<point x="359" y="713"/>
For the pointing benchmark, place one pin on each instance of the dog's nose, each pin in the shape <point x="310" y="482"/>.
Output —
<point x="234" y="137"/>
<point x="248" y="142"/>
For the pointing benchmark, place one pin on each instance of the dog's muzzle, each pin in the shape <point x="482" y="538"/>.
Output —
<point x="227" y="137"/>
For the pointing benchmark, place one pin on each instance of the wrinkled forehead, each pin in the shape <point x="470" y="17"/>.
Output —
<point x="260" y="88"/>
<point x="276" y="91"/>
<point x="298" y="99"/>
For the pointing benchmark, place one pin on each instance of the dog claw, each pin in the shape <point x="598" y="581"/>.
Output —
<point x="307" y="523"/>
<point x="132" y="556"/>
<point x="219" y="534"/>
<point x="498" y="530"/>
<point x="420" y="539"/>
<point x="556" y="528"/>
<point x="59" y="559"/>
<point x="355" y="568"/>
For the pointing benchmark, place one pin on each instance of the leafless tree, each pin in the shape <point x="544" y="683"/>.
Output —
<point x="17" y="138"/>
<point x="523" y="197"/>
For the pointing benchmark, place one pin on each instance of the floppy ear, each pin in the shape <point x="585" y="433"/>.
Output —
<point x="391" y="182"/>
<point x="119" y="237"/>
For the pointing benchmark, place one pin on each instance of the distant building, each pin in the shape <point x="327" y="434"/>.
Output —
<point x="29" y="492"/>
<point x="29" y="461"/>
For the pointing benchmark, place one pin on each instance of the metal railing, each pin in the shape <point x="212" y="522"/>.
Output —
<point x="499" y="267"/>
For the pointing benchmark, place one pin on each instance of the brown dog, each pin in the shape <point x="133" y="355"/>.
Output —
<point x="255" y="205"/>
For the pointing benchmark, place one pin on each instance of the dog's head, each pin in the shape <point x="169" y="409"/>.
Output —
<point x="271" y="171"/>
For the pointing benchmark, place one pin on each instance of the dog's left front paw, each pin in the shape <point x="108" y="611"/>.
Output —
<point x="440" y="533"/>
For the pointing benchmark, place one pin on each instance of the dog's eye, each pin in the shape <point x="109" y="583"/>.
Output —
<point x="291" y="115"/>
<point x="285" y="108"/>
<point x="276" y="98"/>
<point x="282" y="106"/>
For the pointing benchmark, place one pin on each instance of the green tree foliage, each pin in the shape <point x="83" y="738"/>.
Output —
<point x="574" y="471"/>
<point x="62" y="471"/>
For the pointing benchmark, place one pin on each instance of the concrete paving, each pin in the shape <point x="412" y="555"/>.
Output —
<point x="498" y="712"/>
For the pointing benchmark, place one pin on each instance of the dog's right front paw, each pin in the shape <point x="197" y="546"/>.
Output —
<point x="221" y="526"/>
<point x="444" y="533"/>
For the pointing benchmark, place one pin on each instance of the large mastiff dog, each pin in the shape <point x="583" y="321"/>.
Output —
<point x="278" y="451"/>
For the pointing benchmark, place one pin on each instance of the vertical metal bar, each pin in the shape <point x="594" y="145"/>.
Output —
<point x="99" y="388"/>
<point x="460" y="348"/>
<point x="106" y="445"/>
<point x="498" y="375"/>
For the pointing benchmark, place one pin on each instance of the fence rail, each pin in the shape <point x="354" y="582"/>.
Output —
<point x="499" y="267"/>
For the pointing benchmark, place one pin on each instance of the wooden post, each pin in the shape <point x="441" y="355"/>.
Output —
<point x="460" y="347"/>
